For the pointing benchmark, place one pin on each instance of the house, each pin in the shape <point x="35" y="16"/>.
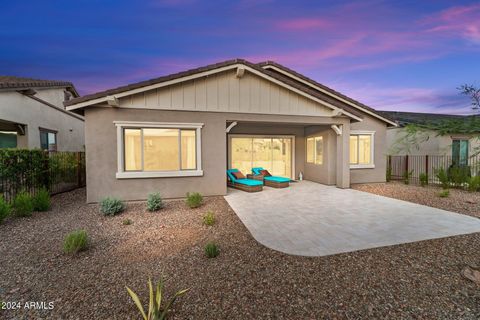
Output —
<point x="32" y="115"/>
<point x="459" y="146"/>
<point x="180" y="132"/>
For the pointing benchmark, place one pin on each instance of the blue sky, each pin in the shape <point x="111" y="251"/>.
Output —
<point x="391" y="55"/>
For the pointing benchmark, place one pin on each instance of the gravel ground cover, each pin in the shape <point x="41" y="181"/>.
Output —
<point x="246" y="281"/>
<point x="460" y="201"/>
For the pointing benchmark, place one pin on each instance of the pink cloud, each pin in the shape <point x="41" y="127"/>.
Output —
<point x="304" y="23"/>
<point x="457" y="21"/>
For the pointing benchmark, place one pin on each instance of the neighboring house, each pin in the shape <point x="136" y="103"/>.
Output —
<point x="32" y="115"/>
<point x="459" y="146"/>
<point x="180" y="132"/>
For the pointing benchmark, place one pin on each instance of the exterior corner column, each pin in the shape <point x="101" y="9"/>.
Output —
<point x="343" y="158"/>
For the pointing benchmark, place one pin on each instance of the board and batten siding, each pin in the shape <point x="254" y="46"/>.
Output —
<point x="224" y="92"/>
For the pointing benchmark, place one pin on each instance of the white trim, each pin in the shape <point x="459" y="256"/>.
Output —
<point x="242" y="135"/>
<point x="158" y="174"/>
<point x="233" y="124"/>
<point x="207" y="73"/>
<point x="330" y="94"/>
<point x="372" y="151"/>
<point x="122" y="174"/>
<point x="337" y="129"/>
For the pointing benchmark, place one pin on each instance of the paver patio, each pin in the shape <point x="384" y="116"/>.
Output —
<point x="312" y="219"/>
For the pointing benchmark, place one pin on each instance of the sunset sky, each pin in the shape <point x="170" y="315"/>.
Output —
<point x="391" y="55"/>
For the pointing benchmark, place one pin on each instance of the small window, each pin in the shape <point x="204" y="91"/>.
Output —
<point x="315" y="150"/>
<point x="48" y="140"/>
<point x="361" y="150"/>
<point x="460" y="152"/>
<point x="8" y="139"/>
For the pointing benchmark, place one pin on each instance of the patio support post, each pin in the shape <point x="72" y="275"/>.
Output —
<point x="343" y="158"/>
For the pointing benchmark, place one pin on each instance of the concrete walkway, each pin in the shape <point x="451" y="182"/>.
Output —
<point x="311" y="219"/>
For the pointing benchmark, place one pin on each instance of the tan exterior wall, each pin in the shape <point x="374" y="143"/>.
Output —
<point x="101" y="144"/>
<point x="434" y="146"/>
<point x="224" y="92"/>
<point x="18" y="108"/>
<point x="326" y="172"/>
<point x="377" y="174"/>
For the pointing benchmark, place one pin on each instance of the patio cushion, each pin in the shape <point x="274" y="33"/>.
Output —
<point x="238" y="175"/>
<point x="265" y="173"/>
<point x="249" y="182"/>
<point x="277" y="179"/>
<point x="257" y="170"/>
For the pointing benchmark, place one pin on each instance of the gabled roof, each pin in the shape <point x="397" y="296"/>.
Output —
<point x="19" y="83"/>
<point x="404" y="118"/>
<point x="317" y="91"/>
<point x="280" y="69"/>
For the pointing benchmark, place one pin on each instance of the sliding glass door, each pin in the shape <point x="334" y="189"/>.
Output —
<point x="269" y="152"/>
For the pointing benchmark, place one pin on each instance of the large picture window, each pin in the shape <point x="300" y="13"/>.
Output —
<point x="159" y="150"/>
<point x="361" y="150"/>
<point x="315" y="150"/>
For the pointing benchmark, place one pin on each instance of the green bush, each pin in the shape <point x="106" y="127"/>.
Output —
<point x="194" y="200"/>
<point x="474" y="183"/>
<point x="211" y="250"/>
<point x="111" y="206"/>
<point x="75" y="241"/>
<point x="155" y="309"/>
<point x="209" y="219"/>
<point x="389" y="174"/>
<point x="127" y="222"/>
<point x="444" y="193"/>
<point x="423" y="179"/>
<point x="459" y="175"/>
<point x="41" y="201"/>
<point x="407" y="175"/>
<point x="154" y="202"/>
<point x="5" y="209"/>
<point x="23" y="204"/>
<point x="442" y="176"/>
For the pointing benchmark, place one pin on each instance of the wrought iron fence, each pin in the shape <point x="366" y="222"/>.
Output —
<point x="430" y="165"/>
<point x="30" y="170"/>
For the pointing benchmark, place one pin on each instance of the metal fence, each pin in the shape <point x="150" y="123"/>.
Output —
<point x="427" y="164"/>
<point x="30" y="170"/>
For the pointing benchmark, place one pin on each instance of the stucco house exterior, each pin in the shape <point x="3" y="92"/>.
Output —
<point x="32" y="115"/>
<point x="459" y="146"/>
<point x="180" y="133"/>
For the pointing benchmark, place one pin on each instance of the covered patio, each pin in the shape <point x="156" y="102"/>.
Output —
<point x="311" y="219"/>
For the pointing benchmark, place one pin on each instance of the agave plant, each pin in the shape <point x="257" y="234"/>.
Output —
<point x="155" y="310"/>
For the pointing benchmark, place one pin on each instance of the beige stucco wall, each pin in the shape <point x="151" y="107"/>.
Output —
<point x="326" y="172"/>
<point x="434" y="146"/>
<point x="101" y="144"/>
<point x="18" y="108"/>
<point x="377" y="174"/>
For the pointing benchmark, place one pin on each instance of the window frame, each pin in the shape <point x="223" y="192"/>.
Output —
<point x="47" y="131"/>
<point x="460" y="139"/>
<point x="314" y="150"/>
<point x="371" y="165"/>
<point x="123" y="174"/>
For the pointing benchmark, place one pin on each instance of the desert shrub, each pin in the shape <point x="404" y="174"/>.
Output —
<point x="154" y="202"/>
<point x="209" y="219"/>
<point x="444" y="193"/>
<point x="458" y="175"/>
<point x="389" y="174"/>
<point x="5" y="209"/>
<point x="194" y="199"/>
<point x="407" y="175"/>
<point x="75" y="241"/>
<point x="474" y="183"/>
<point x="211" y="250"/>
<point x="127" y="222"/>
<point x="423" y="179"/>
<point x="111" y="206"/>
<point x="41" y="201"/>
<point x="442" y="176"/>
<point x="155" y="309"/>
<point x="23" y="204"/>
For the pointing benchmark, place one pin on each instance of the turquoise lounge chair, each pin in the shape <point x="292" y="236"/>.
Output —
<point x="272" y="181"/>
<point x="248" y="185"/>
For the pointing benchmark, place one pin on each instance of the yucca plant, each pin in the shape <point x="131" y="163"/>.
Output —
<point x="155" y="310"/>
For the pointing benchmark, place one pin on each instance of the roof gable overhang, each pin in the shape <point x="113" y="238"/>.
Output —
<point x="312" y="84"/>
<point x="106" y="97"/>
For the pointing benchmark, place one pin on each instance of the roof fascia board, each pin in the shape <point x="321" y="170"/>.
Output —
<point x="311" y="85"/>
